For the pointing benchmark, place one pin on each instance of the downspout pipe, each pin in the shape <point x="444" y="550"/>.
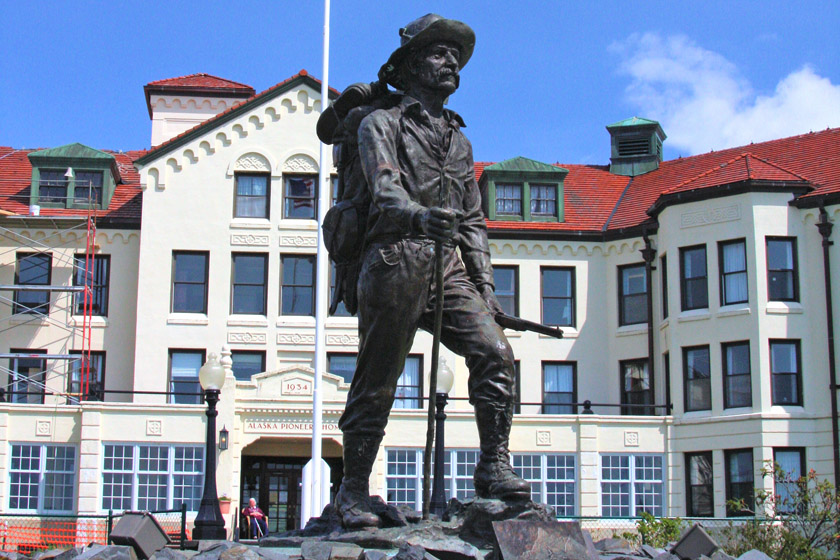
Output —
<point x="648" y="254"/>
<point x="825" y="226"/>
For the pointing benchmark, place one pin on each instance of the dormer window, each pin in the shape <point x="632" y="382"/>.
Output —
<point x="52" y="186"/>
<point x="73" y="176"/>
<point x="523" y="189"/>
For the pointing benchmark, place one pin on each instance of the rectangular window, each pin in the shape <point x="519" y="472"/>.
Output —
<point x="183" y="376"/>
<point x="693" y="279"/>
<point x="543" y="200"/>
<point x="508" y="199"/>
<point x="88" y="188"/>
<point x="632" y="294"/>
<point x="152" y="477"/>
<point x="636" y="388"/>
<point x="87" y="376"/>
<point x="52" y="186"/>
<point x="663" y="266"/>
<point x="93" y="273"/>
<point x="27" y="376"/>
<point x="697" y="378"/>
<point x="343" y="365"/>
<point x="251" y="196"/>
<point x="740" y="483"/>
<point x="558" y="296"/>
<point x="248" y="292"/>
<point x="631" y="484"/>
<point x="737" y="386"/>
<point x="791" y="461"/>
<point x="506" y="279"/>
<point x="42" y="478"/>
<point x="666" y="367"/>
<point x="786" y="372"/>
<point x="733" y="272"/>
<point x="33" y="269"/>
<point x="409" y="385"/>
<point x="247" y="363"/>
<point x="699" y="484"/>
<point x="297" y="288"/>
<point x="189" y="281"/>
<point x="553" y="480"/>
<point x="559" y="388"/>
<point x="782" y="275"/>
<point x="341" y="310"/>
<point x="301" y="197"/>
<point x="404" y="475"/>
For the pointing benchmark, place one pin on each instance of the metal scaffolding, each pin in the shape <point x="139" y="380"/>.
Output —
<point x="73" y="302"/>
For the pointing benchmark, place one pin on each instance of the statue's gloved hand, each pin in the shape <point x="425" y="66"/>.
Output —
<point x="488" y="294"/>
<point x="440" y="224"/>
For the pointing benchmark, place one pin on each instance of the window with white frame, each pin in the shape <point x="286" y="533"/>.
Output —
<point x="152" y="477"/>
<point x="631" y="484"/>
<point x="42" y="478"/>
<point x="552" y="478"/>
<point x="404" y="479"/>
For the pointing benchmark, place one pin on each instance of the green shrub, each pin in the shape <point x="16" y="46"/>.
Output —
<point x="659" y="532"/>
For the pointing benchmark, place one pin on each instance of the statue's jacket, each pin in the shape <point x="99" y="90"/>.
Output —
<point x="406" y="163"/>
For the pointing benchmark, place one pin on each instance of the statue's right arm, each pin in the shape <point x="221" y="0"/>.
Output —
<point x="378" y="154"/>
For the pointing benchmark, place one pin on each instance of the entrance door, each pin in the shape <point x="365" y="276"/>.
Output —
<point x="274" y="482"/>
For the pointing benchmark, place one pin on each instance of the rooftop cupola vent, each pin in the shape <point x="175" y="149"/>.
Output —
<point x="636" y="146"/>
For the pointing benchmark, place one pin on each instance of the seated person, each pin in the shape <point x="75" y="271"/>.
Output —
<point x="258" y="524"/>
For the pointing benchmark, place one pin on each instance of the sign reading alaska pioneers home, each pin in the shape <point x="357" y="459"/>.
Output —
<point x="284" y="426"/>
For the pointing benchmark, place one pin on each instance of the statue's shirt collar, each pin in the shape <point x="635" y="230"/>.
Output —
<point x="414" y="108"/>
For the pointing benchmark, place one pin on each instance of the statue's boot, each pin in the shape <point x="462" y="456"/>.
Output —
<point x="494" y="476"/>
<point x="353" y="499"/>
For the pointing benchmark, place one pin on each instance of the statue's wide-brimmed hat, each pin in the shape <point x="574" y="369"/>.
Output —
<point x="424" y="31"/>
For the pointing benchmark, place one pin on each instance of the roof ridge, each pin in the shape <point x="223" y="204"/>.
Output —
<point x="14" y="151"/>
<point x="713" y="169"/>
<point x="778" y="166"/>
<point x="199" y="75"/>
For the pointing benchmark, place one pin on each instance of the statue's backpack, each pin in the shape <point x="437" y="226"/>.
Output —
<point x="345" y="224"/>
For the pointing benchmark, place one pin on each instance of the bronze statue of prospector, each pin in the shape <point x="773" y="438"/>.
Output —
<point x="409" y="151"/>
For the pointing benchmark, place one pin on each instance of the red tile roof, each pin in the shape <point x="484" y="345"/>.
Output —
<point x="175" y="141"/>
<point x="195" y="81"/>
<point x="596" y="200"/>
<point x="16" y="178"/>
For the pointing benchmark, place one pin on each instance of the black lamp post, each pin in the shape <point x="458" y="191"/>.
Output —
<point x="444" y="385"/>
<point x="209" y="523"/>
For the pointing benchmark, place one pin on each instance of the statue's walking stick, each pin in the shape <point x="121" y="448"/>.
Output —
<point x="430" y="425"/>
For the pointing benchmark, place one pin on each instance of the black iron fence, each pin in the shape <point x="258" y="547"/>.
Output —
<point x="27" y="533"/>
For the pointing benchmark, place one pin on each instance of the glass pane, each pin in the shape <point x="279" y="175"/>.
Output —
<point x="734" y="257"/>
<point x="249" y="300"/>
<point x="557" y="311"/>
<point x="633" y="280"/>
<point x="780" y="254"/>
<point x="246" y="364"/>
<point x="249" y="269"/>
<point x="190" y="267"/>
<point x="251" y="185"/>
<point x="559" y="377"/>
<point x="737" y="359"/>
<point x="343" y="366"/>
<point x="783" y="357"/>
<point x="557" y="282"/>
<point x="695" y="263"/>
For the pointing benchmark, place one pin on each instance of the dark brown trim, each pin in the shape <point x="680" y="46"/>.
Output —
<point x="825" y="226"/>
<point x="236" y="177"/>
<point x="795" y="270"/>
<point x="573" y="290"/>
<point x="796" y="188"/>
<point x="574" y="384"/>
<point x="683" y="283"/>
<point x="206" y="255"/>
<point x="722" y="272"/>
<point x="797" y="344"/>
<point x="629" y="410"/>
<point x="649" y="255"/>
<point x="728" y="453"/>
<point x="314" y="286"/>
<point x="622" y="322"/>
<point x="233" y="280"/>
<point x="689" y="510"/>
<point x="685" y="351"/>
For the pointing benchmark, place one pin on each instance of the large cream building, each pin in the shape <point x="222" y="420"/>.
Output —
<point x="693" y="296"/>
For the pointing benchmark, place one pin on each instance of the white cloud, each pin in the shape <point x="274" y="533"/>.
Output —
<point x="703" y="102"/>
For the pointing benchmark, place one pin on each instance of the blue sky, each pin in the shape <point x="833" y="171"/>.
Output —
<point x="545" y="79"/>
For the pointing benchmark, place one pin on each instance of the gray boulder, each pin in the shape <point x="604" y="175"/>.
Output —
<point x="168" y="554"/>
<point x="102" y="552"/>
<point x="754" y="555"/>
<point x="721" y="555"/>
<point x="240" y="552"/>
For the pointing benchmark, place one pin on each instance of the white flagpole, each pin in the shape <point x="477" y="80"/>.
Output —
<point x="317" y="493"/>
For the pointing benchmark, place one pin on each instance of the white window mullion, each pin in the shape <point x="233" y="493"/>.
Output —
<point x="135" y="486"/>
<point x="170" y="479"/>
<point x="42" y="478"/>
<point x="543" y="479"/>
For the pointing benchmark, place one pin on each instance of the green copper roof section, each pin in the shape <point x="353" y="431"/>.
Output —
<point x="634" y="121"/>
<point x="524" y="165"/>
<point x="75" y="151"/>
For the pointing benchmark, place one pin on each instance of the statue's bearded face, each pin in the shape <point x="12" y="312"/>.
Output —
<point x="435" y="67"/>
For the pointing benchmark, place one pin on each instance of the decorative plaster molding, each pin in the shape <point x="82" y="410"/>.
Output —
<point x="248" y="239"/>
<point x="252" y="162"/>
<point x="300" y="163"/>
<point x="43" y="428"/>
<point x="543" y="437"/>
<point x="296" y="339"/>
<point x="246" y="338"/>
<point x="154" y="427"/>
<point x="710" y="216"/>
<point x="631" y="439"/>
<point x="342" y="340"/>
<point x="298" y="241"/>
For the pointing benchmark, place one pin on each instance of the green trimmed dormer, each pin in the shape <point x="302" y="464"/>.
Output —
<point x="73" y="176"/>
<point x="522" y="189"/>
<point x="636" y="146"/>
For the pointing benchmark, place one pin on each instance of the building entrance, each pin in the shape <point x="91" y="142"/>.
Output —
<point x="275" y="483"/>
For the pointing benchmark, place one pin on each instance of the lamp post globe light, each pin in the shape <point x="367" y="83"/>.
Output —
<point x="445" y="381"/>
<point x="209" y="523"/>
